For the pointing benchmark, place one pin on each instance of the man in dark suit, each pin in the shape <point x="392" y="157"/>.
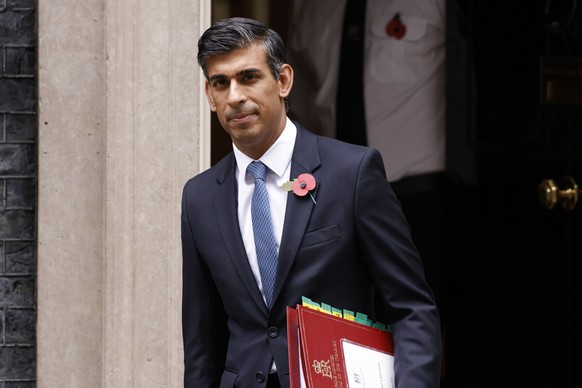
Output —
<point x="346" y="243"/>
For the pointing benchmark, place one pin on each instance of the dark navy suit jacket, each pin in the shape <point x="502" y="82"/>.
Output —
<point x="352" y="244"/>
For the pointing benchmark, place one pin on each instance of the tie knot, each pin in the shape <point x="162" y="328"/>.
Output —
<point x="258" y="170"/>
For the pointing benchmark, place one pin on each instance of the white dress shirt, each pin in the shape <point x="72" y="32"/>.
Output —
<point x="278" y="160"/>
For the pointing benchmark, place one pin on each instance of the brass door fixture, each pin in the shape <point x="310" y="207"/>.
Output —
<point x="566" y="194"/>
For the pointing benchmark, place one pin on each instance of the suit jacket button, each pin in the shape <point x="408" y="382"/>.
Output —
<point x="273" y="332"/>
<point x="260" y="377"/>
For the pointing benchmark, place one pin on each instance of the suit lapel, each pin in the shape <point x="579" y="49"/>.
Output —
<point x="305" y="160"/>
<point x="225" y="207"/>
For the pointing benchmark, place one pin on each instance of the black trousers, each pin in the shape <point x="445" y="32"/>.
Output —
<point x="424" y="203"/>
<point x="436" y="208"/>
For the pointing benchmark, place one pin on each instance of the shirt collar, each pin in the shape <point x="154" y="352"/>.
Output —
<point x="277" y="157"/>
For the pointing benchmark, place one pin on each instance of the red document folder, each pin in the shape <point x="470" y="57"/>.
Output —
<point x="328" y="351"/>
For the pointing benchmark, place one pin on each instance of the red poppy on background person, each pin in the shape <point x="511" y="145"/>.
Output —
<point x="395" y="27"/>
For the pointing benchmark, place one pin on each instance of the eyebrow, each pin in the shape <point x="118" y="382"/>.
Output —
<point x="242" y="72"/>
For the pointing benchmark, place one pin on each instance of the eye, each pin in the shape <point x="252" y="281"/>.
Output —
<point x="250" y="76"/>
<point x="219" y="82"/>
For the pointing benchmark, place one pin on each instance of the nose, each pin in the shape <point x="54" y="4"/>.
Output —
<point x="236" y="94"/>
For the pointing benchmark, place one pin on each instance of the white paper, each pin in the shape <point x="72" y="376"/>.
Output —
<point x="302" y="382"/>
<point x="367" y="367"/>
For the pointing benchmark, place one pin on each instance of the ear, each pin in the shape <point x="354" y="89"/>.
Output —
<point x="209" y="97"/>
<point x="285" y="80"/>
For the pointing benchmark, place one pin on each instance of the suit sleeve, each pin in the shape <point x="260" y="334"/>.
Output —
<point x="404" y="296"/>
<point x="205" y="334"/>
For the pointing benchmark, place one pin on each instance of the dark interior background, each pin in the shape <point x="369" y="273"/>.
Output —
<point x="514" y="87"/>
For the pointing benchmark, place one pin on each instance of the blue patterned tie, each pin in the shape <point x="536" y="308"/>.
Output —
<point x="263" y="230"/>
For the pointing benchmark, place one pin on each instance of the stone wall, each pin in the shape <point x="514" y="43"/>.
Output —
<point x="121" y="129"/>
<point x="18" y="166"/>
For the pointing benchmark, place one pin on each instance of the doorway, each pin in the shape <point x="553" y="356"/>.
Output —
<point x="513" y="279"/>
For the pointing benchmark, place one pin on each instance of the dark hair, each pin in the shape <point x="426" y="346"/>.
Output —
<point x="231" y="34"/>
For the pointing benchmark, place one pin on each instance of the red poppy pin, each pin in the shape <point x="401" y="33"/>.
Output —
<point x="395" y="27"/>
<point x="301" y="186"/>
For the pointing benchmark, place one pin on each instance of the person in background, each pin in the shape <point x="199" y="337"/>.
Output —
<point x="397" y="72"/>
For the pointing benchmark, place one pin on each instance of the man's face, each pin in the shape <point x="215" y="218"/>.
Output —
<point x="246" y="97"/>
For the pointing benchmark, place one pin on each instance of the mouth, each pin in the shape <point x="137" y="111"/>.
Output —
<point x="241" y="117"/>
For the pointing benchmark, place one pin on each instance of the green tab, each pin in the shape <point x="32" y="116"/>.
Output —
<point x="361" y="318"/>
<point x="326" y="308"/>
